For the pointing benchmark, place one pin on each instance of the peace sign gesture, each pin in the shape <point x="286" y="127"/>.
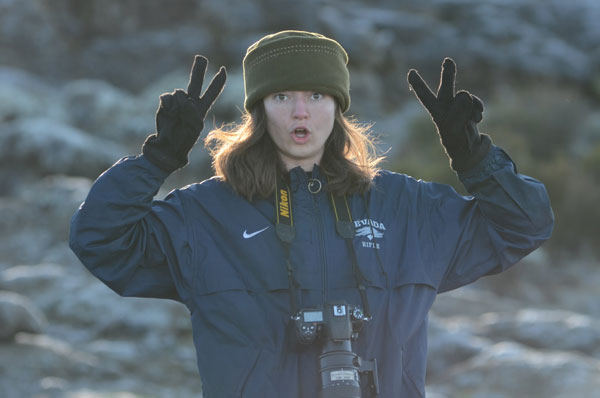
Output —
<point x="194" y="89"/>
<point x="180" y="118"/>
<point x="455" y="117"/>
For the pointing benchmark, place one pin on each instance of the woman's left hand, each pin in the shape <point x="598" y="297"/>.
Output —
<point x="455" y="117"/>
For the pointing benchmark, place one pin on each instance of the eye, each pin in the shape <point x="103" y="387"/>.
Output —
<point x="316" y="96"/>
<point x="280" y="96"/>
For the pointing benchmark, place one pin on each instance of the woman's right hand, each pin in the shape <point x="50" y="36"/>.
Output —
<point x="180" y="118"/>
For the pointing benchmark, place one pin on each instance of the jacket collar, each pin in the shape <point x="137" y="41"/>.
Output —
<point x="299" y="179"/>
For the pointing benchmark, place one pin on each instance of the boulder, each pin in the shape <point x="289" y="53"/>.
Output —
<point x="450" y="343"/>
<point x="36" y="217"/>
<point x="18" y="314"/>
<point x="40" y="364"/>
<point x="95" y="306"/>
<point x="503" y="37"/>
<point x="40" y="283"/>
<point x="544" y="329"/>
<point x="56" y="196"/>
<point x="512" y="370"/>
<point x="470" y="302"/>
<point x="47" y="146"/>
<point x="86" y="302"/>
<point x="24" y="95"/>
<point x="106" y="111"/>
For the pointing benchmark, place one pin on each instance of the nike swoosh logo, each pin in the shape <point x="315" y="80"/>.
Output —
<point x="247" y="235"/>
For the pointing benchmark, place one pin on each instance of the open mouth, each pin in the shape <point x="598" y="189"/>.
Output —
<point x="300" y="135"/>
<point x="300" y="132"/>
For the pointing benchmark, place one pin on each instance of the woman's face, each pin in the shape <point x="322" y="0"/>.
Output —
<point x="299" y="123"/>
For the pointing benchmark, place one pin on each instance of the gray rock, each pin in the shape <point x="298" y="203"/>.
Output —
<point x="40" y="283"/>
<point x="538" y="281"/>
<point x="56" y="196"/>
<point x="87" y="303"/>
<point x="30" y="278"/>
<point x="23" y="95"/>
<point x="450" y="343"/>
<point x="150" y="53"/>
<point x="18" y="314"/>
<point x="512" y="370"/>
<point x="367" y="95"/>
<point x="52" y="367"/>
<point x="470" y="302"/>
<point x="545" y="329"/>
<point x="97" y="107"/>
<point x="29" y="38"/>
<point x="36" y="218"/>
<point x="122" y="353"/>
<point x="558" y="40"/>
<point x="35" y="358"/>
<point x="61" y="253"/>
<point x="240" y="17"/>
<point x="47" y="146"/>
<point x="394" y="128"/>
<point x="26" y="245"/>
<point x="95" y="306"/>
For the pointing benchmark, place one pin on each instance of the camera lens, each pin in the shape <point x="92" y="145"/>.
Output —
<point x="339" y="370"/>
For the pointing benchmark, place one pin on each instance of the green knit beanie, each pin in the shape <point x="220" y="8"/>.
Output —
<point x="296" y="60"/>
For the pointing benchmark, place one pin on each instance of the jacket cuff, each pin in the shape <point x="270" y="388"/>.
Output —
<point x="152" y="167"/>
<point x="496" y="159"/>
<point x="475" y="155"/>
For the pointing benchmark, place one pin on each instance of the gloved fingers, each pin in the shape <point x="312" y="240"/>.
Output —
<point x="166" y="101"/>
<point x="423" y="92"/>
<point x="472" y="134"/>
<point x="197" y="76"/>
<point x="461" y="110"/>
<point x="191" y="115"/>
<point x="169" y="102"/>
<point x="189" y="135"/>
<point x="446" y="88"/>
<point x="477" y="109"/>
<point x="477" y="103"/>
<point x="214" y="88"/>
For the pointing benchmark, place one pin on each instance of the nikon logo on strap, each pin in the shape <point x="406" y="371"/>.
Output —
<point x="284" y="203"/>
<point x="285" y="223"/>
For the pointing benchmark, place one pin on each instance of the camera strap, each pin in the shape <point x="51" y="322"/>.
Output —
<point x="286" y="233"/>
<point x="345" y="229"/>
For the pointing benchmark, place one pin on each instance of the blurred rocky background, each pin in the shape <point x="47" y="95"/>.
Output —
<point x="79" y="85"/>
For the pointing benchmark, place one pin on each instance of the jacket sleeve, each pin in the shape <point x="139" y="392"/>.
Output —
<point x="120" y="233"/>
<point x="507" y="216"/>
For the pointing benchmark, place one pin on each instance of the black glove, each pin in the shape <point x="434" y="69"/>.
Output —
<point x="455" y="117"/>
<point x="180" y="118"/>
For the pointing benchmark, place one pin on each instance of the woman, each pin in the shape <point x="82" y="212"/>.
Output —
<point x="299" y="228"/>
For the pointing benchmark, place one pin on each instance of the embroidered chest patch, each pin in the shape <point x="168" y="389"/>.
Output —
<point x="369" y="230"/>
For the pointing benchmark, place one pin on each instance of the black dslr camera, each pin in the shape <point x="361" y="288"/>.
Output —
<point x="336" y="324"/>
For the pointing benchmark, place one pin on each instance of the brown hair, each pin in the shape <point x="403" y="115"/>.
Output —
<point x="245" y="156"/>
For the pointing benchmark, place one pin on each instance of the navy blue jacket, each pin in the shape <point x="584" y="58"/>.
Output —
<point x="202" y="246"/>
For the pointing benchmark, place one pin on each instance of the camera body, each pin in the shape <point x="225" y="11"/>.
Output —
<point x="336" y="325"/>
<point x="336" y="321"/>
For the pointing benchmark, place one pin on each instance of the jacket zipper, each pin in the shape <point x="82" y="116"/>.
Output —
<point x="322" y="247"/>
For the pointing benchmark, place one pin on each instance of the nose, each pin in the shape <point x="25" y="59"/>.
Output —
<point x="300" y="108"/>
